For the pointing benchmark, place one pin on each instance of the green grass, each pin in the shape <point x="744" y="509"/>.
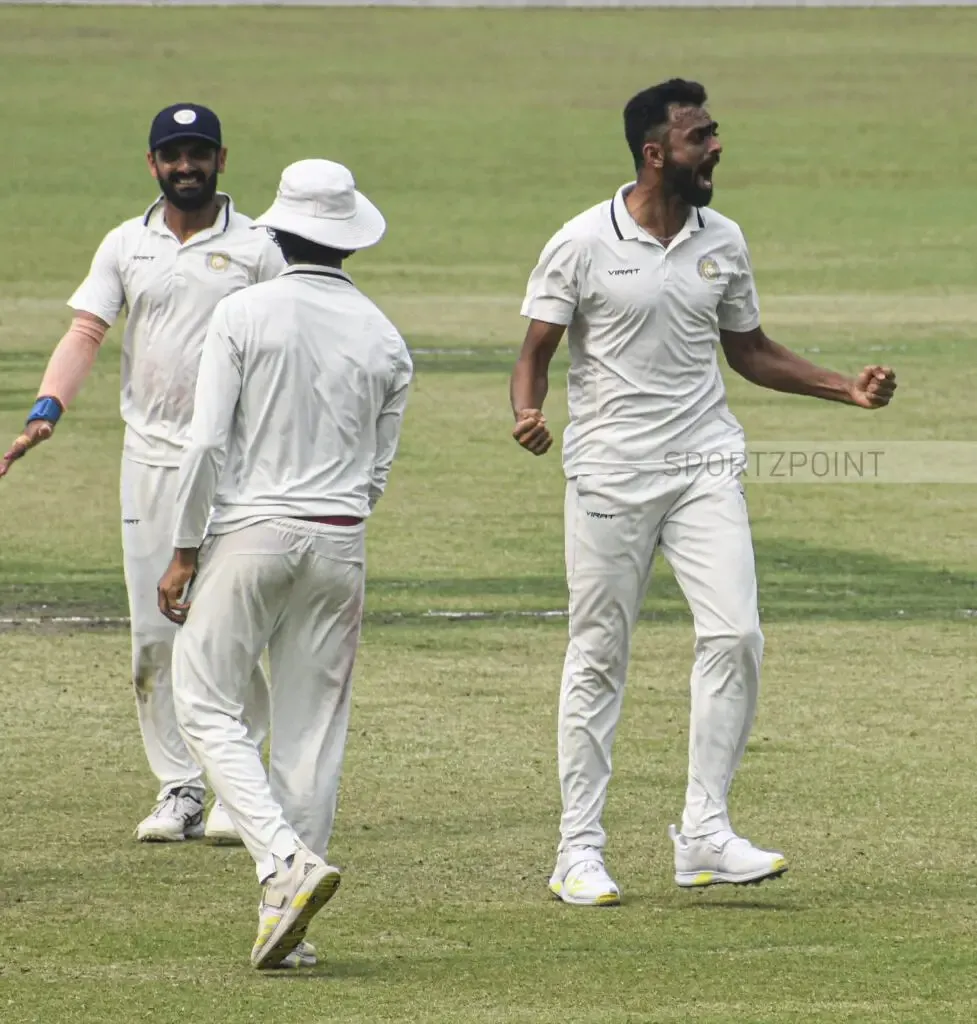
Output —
<point x="850" y="163"/>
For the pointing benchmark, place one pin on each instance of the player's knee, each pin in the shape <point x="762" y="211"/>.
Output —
<point x="600" y="644"/>
<point x="742" y="643"/>
<point x="603" y="662"/>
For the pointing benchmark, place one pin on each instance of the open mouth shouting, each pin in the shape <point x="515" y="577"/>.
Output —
<point x="703" y="178"/>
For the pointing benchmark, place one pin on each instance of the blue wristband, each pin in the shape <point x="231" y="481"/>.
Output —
<point x="49" y="409"/>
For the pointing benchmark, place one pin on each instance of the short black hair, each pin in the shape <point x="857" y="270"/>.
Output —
<point x="648" y="111"/>
<point x="296" y="249"/>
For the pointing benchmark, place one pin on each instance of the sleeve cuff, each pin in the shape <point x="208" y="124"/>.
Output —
<point x="743" y="326"/>
<point x="550" y="311"/>
<point x="108" y="316"/>
<point x="186" y="542"/>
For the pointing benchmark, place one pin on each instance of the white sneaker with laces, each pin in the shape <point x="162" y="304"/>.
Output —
<point x="722" y="858"/>
<point x="219" y="828"/>
<point x="291" y="898"/>
<point x="581" y="879"/>
<point x="304" y="955"/>
<point x="178" y="816"/>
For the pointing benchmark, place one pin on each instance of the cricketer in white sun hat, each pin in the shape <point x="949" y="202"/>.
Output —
<point x="317" y="200"/>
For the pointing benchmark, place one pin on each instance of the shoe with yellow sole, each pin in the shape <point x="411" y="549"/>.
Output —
<point x="291" y="898"/>
<point x="722" y="858"/>
<point x="581" y="879"/>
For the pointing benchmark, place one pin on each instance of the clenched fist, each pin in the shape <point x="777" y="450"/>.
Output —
<point x="873" y="387"/>
<point x="531" y="431"/>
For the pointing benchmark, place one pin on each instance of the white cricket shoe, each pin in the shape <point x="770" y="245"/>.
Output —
<point x="178" y="816"/>
<point x="291" y="898"/>
<point x="581" y="879"/>
<point x="722" y="858"/>
<point x="220" y="829"/>
<point x="304" y="955"/>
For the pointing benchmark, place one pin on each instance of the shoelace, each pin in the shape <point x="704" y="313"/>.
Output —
<point x="170" y="798"/>
<point x="174" y="797"/>
<point x="588" y="867"/>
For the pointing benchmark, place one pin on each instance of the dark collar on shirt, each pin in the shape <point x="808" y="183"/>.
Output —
<point x="315" y="270"/>
<point x="225" y="212"/>
<point x="625" y="226"/>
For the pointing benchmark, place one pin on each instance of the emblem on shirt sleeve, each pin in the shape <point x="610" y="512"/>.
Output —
<point x="218" y="262"/>
<point x="708" y="268"/>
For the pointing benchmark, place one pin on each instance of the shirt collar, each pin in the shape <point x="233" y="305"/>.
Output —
<point x="315" y="270"/>
<point x="153" y="219"/>
<point x="627" y="228"/>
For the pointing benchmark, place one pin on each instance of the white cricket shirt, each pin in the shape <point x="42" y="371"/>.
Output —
<point x="169" y="291"/>
<point x="299" y="402"/>
<point x="643" y="322"/>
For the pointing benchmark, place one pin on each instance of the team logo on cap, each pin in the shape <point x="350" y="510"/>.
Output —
<point x="708" y="268"/>
<point x="185" y="116"/>
<point x="218" y="262"/>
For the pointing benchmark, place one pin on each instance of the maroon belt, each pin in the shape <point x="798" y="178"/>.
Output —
<point x="331" y="520"/>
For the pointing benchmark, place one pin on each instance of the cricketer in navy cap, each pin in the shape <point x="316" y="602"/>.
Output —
<point x="185" y="121"/>
<point x="186" y="155"/>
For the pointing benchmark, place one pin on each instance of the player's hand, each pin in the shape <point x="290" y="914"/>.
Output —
<point x="171" y="592"/>
<point x="531" y="431"/>
<point x="34" y="433"/>
<point x="873" y="387"/>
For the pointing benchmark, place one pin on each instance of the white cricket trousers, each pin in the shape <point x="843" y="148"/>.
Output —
<point x="296" y="588"/>
<point x="148" y="521"/>
<point x="613" y="526"/>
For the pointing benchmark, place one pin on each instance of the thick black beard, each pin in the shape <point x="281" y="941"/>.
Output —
<point x="681" y="181"/>
<point x="188" y="202"/>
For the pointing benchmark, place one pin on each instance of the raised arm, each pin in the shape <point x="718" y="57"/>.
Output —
<point x="763" y="361"/>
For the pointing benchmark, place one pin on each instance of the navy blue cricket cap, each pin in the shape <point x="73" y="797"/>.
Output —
<point x="185" y="121"/>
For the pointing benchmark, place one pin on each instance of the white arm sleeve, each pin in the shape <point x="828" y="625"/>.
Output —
<point x="215" y="401"/>
<point x="553" y="291"/>
<point x="389" y="423"/>
<point x="102" y="293"/>
<point x="739" y="309"/>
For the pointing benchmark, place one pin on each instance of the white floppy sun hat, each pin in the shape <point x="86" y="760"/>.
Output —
<point x="317" y="200"/>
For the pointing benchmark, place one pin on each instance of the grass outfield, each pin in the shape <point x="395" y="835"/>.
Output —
<point x="850" y="162"/>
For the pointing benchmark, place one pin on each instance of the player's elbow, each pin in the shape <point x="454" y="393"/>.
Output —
<point x="540" y="345"/>
<point x="90" y="326"/>
<point x="745" y="357"/>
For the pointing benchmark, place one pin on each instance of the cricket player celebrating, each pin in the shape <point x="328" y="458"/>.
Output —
<point x="168" y="268"/>
<point x="647" y="285"/>
<point x="297" y="415"/>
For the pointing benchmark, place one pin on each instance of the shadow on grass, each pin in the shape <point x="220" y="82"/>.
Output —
<point x="326" y="970"/>
<point x="798" y="582"/>
<point x="778" y="906"/>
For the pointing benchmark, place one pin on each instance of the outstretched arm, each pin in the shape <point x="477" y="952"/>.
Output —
<point x="763" y="361"/>
<point x="68" y="368"/>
